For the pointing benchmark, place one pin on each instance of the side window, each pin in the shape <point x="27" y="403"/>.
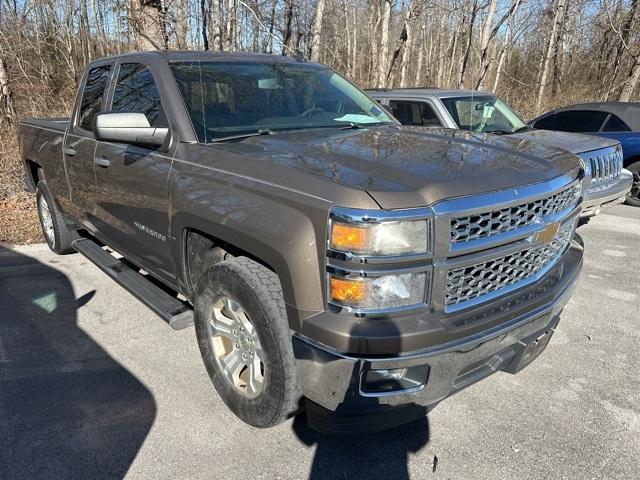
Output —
<point x="614" y="124"/>
<point x="580" y="121"/>
<point x="547" y="123"/>
<point x="94" y="89"/>
<point x="136" y="92"/>
<point x="414" y="113"/>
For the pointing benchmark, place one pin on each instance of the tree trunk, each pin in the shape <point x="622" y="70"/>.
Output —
<point x="287" y="32"/>
<point x="217" y="21"/>
<point x="272" y="21"/>
<point x="406" y="41"/>
<point x="384" y="45"/>
<point x="489" y="34"/>
<point x="229" y="33"/>
<point x="467" y="51"/>
<point x="181" y="23"/>
<point x="7" y="112"/>
<point x="317" y="32"/>
<point x="556" y="73"/>
<point x="421" y="52"/>
<point x="551" y="46"/>
<point x="631" y="83"/>
<point x="624" y="40"/>
<point x="204" y="12"/>
<point x="148" y="19"/>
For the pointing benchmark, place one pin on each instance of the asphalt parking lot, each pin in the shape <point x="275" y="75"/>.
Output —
<point x="94" y="385"/>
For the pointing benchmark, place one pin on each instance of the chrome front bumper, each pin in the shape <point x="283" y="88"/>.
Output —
<point x="604" y="196"/>
<point x="332" y="382"/>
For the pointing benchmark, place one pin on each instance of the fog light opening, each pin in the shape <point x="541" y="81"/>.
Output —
<point x="394" y="381"/>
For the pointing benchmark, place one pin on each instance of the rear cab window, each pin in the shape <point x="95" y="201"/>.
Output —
<point x="414" y="113"/>
<point x="615" y="124"/>
<point x="93" y="95"/>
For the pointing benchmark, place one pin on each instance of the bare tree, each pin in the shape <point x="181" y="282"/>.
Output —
<point x="7" y="112"/>
<point x="384" y="44"/>
<point x="317" y="31"/>
<point x="181" y="24"/>
<point x="148" y="19"/>
<point x="489" y="32"/>
<point x="287" y="31"/>
<point x="631" y="83"/>
<point x="550" y="50"/>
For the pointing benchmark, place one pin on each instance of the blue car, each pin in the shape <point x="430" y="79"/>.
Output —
<point x="616" y="120"/>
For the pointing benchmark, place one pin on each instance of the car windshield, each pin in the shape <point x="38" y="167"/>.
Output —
<point x="483" y="113"/>
<point x="226" y="99"/>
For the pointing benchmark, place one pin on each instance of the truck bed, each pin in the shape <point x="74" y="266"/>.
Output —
<point x="41" y="142"/>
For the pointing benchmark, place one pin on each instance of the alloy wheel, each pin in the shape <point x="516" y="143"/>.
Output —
<point x="236" y="347"/>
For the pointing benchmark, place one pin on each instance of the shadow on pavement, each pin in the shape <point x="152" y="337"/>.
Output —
<point x="67" y="409"/>
<point x="381" y="455"/>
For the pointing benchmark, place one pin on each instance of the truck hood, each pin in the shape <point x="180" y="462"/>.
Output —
<point x="573" y="142"/>
<point x="403" y="167"/>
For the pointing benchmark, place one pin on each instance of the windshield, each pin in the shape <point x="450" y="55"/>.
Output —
<point x="483" y="113"/>
<point x="232" y="98"/>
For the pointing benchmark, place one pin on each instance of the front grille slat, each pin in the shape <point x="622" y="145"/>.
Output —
<point x="470" y="282"/>
<point x="605" y="166"/>
<point x="486" y="224"/>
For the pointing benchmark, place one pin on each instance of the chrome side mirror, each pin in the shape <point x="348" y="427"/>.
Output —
<point x="133" y="128"/>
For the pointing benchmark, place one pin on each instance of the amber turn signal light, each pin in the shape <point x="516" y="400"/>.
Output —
<point x="349" y="238"/>
<point x="347" y="291"/>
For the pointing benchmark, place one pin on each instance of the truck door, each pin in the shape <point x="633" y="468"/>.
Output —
<point x="80" y="144"/>
<point x="131" y="181"/>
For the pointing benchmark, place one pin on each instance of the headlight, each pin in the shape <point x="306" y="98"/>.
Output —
<point x="380" y="239"/>
<point x="393" y="237"/>
<point x="385" y="292"/>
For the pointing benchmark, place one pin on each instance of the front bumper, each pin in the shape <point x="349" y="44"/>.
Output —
<point x="603" y="196"/>
<point x="332" y="382"/>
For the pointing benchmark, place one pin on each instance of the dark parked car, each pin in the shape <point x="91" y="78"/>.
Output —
<point x="331" y="259"/>
<point x="606" y="182"/>
<point x="616" y="120"/>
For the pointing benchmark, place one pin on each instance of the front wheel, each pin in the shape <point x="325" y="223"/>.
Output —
<point x="633" y="197"/>
<point x="243" y="335"/>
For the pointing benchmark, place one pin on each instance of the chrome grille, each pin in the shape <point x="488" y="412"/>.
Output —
<point x="470" y="282"/>
<point x="604" y="165"/>
<point x="486" y="224"/>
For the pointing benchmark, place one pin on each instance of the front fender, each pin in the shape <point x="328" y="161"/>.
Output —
<point x="285" y="232"/>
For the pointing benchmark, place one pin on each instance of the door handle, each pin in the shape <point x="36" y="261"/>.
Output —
<point x="69" y="151"/>
<point x="102" y="162"/>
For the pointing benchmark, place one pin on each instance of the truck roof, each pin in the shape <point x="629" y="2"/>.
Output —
<point x="201" y="55"/>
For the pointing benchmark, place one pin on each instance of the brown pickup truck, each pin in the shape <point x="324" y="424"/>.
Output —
<point x="333" y="261"/>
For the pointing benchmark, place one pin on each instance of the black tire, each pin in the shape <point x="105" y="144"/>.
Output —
<point x="60" y="236"/>
<point x="633" y="197"/>
<point x="257" y="290"/>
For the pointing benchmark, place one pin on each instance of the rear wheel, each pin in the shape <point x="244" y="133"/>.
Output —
<point x="56" y="232"/>
<point x="633" y="197"/>
<point x="245" y="342"/>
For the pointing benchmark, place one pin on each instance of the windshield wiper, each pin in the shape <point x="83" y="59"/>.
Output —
<point x="351" y="126"/>
<point x="526" y="128"/>
<point x="356" y="126"/>
<point x="240" y="136"/>
<point x="497" y="132"/>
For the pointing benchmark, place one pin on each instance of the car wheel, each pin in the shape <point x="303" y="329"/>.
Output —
<point x="245" y="343"/>
<point x="633" y="197"/>
<point x="56" y="232"/>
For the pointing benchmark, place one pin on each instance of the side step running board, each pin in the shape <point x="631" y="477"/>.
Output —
<point x="170" y="309"/>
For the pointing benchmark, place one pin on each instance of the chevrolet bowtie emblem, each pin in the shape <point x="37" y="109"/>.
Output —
<point x="547" y="234"/>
